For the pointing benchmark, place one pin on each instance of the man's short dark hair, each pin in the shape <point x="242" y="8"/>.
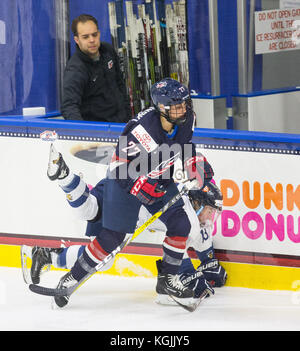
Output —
<point x="82" y="18"/>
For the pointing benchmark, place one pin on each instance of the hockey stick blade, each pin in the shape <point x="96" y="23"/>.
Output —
<point x="41" y="290"/>
<point x="194" y="306"/>
<point x="190" y="308"/>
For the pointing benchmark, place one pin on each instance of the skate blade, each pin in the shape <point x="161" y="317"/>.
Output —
<point x="25" y="254"/>
<point x="166" y="300"/>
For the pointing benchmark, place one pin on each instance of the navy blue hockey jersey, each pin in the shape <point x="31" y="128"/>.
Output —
<point x="144" y="148"/>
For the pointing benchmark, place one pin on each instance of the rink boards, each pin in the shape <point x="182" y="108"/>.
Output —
<point x="256" y="238"/>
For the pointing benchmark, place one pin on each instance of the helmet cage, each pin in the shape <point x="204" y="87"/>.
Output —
<point x="169" y="92"/>
<point x="177" y="120"/>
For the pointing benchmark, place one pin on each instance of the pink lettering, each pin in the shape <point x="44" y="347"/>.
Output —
<point x="252" y="217"/>
<point x="274" y="227"/>
<point x="230" y="216"/>
<point x="295" y="238"/>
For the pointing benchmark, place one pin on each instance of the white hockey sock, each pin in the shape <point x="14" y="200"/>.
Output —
<point x="84" y="204"/>
<point x="66" y="181"/>
<point x="68" y="257"/>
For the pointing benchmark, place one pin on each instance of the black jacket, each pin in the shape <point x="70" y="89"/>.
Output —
<point x="95" y="90"/>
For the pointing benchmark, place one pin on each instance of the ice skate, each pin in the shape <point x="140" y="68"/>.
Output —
<point x="170" y="284"/>
<point x="201" y="287"/>
<point x="57" y="168"/>
<point x="67" y="281"/>
<point x="41" y="262"/>
<point x="163" y="298"/>
<point x="26" y="258"/>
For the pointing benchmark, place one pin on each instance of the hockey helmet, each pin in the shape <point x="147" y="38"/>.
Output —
<point x="168" y="92"/>
<point x="210" y="195"/>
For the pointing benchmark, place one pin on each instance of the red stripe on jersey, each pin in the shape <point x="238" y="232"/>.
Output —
<point x="176" y="241"/>
<point x="96" y="250"/>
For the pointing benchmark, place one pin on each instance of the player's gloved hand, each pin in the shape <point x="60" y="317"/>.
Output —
<point x="213" y="272"/>
<point x="147" y="190"/>
<point x="197" y="282"/>
<point x="195" y="169"/>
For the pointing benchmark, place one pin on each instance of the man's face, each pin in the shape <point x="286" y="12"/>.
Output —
<point x="177" y="111"/>
<point x="207" y="213"/>
<point x="88" y="38"/>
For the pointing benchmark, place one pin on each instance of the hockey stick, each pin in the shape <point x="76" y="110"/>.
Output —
<point x="192" y="307"/>
<point x="188" y="185"/>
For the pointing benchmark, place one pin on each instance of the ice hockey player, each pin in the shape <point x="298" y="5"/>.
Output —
<point x="141" y="173"/>
<point x="203" y="208"/>
<point x="206" y="204"/>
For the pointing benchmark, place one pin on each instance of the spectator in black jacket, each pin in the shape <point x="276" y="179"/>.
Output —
<point x="93" y="87"/>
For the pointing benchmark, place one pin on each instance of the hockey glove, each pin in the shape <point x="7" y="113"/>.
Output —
<point x="196" y="281"/>
<point x="213" y="272"/>
<point x="195" y="169"/>
<point x="147" y="190"/>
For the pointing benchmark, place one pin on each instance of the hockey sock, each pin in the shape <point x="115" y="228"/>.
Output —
<point x="66" y="181"/>
<point x="78" y="196"/>
<point x="68" y="256"/>
<point x="96" y="251"/>
<point x="186" y="266"/>
<point x="173" y="248"/>
<point x="90" y="257"/>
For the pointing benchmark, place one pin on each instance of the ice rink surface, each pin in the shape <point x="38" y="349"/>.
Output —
<point x="111" y="303"/>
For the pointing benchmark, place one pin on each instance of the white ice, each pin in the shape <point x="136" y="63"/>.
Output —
<point x="127" y="304"/>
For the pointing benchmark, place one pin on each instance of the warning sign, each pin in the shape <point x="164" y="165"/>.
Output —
<point x="289" y="4"/>
<point x="277" y="30"/>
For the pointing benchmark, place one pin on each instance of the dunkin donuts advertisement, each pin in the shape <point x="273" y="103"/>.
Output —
<point x="261" y="201"/>
<point x="261" y="194"/>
